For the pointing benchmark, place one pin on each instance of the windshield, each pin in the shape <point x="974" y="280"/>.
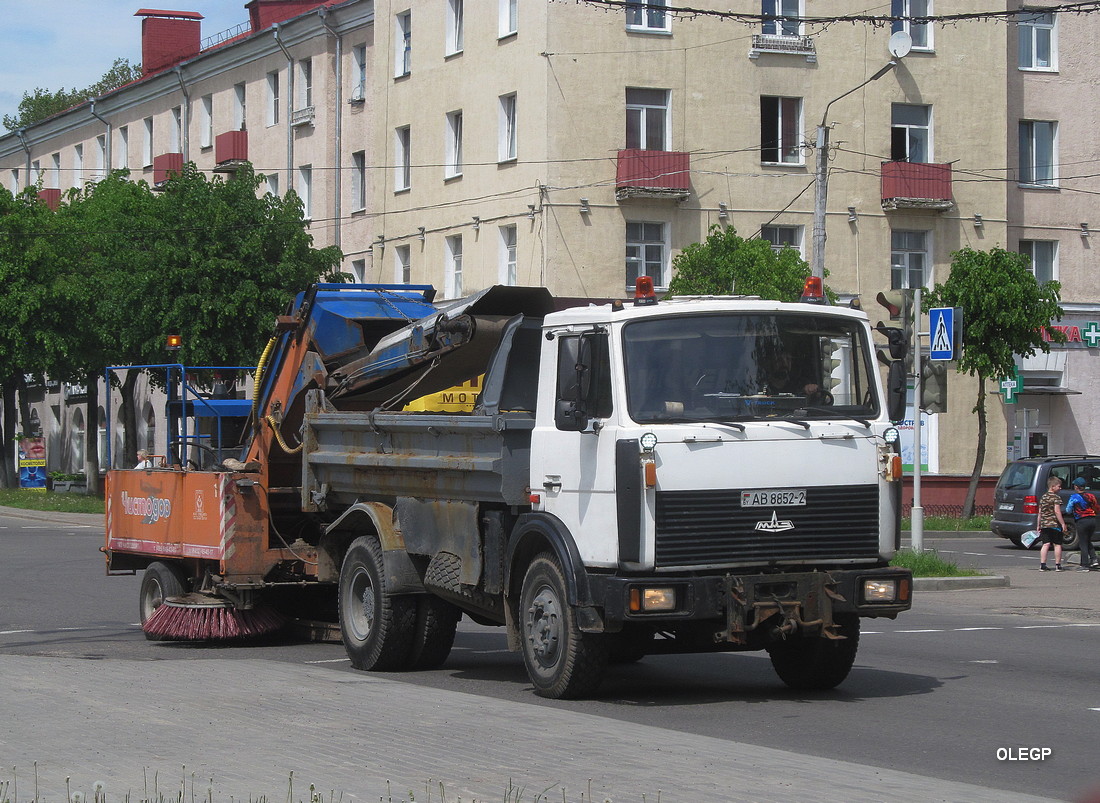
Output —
<point x="743" y="367"/>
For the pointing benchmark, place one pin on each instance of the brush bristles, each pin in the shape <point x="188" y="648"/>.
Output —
<point x="210" y="622"/>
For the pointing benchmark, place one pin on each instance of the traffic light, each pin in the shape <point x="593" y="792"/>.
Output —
<point x="933" y="392"/>
<point x="899" y="303"/>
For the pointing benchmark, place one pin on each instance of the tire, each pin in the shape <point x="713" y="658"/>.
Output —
<point x="816" y="663"/>
<point x="377" y="629"/>
<point x="1069" y="535"/>
<point x="436" y="622"/>
<point x="562" y="662"/>
<point x="160" y="581"/>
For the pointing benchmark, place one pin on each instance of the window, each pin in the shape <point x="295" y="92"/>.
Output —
<point x="782" y="236"/>
<point x="359" y="73"/>
<point x="402" y="174"/>
<point x="101" y="156"/>
<point x="1037" y="41"/>
<point x="53" y="180"/>
<point x="240" y="107"/>
<point x="453" y="146"/>
<point x="305" y="189"/>
<point x="14" y="182"/>
<point x="272" y="180"/>
<point x="508" y="273"/>
<point x="647" y="119"/>
<point x="506" y="148"/>
<point x="403" y="45"/>
<point x="780" y="130"/>
<point x="453" y="263"/>
<point x="78" y="165"/>
<point x="508" y="19"/>
<point x="304" y="90"/>
<point x="402" y="264"/>
<point x="921" y="32"/>
<point x="645" y="252"/>
<point x="359" y="181"/>
<point x="1043" y="254"/>
<point x="648" y="16"/>
<point x="782" y="8"/>
<point x="36" y="172"/>
<point x="175" y="138"/>
<point x="910" y="133"/>
<point x="273" y="98"/>
<point x="206" y="121"/>
<point x="123" y="151"/>
<point x="1037" y="145"/>
<point x="454" y="27"/>
<point x="908" y="260"/>
<point x="147" y="144"/>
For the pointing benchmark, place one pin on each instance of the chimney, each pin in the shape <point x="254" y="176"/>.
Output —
<point x="167" y="38"/>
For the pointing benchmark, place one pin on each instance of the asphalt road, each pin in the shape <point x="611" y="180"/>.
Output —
<point x="950" y="690"/>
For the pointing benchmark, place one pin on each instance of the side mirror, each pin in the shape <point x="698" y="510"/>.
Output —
<point x="569" y="416"/>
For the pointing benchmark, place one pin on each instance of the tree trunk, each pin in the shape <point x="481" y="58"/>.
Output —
<point x="979" y="460"/>
<point x="9" y="477"/>
<point x="128" y="413"/>
<point x="91" y="435"/>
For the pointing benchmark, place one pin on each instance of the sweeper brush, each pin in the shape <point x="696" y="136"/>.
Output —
<point x="197" y="617"/>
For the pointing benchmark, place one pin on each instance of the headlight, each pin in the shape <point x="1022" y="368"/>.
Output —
<point x="880" y="590"/>
<point x="891" y="435"/>
<point x="646" y="600"/>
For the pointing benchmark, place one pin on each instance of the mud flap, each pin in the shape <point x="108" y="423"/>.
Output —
<point x="803" y="604"/>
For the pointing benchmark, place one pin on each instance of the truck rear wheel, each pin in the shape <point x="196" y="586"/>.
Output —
<point x="436" y="622"/>
<point x="377" y="629"/>
<point x="816" y="663"/>
<point x="562" y="662"/>
<point x="160" y="581"/>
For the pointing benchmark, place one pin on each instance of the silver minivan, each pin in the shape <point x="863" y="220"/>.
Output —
<point x="1016" y="497"/>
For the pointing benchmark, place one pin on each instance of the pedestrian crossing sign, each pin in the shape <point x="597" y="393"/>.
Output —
<point x="941" y="333"/>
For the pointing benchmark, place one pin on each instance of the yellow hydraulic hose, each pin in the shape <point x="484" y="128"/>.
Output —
<point x="260" y="375"/>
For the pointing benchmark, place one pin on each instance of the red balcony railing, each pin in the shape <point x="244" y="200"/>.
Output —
<point x="165" y="165"/>
<point x="652" y="174"/>
<point x="51" y="197"/>
<point x="231" y="147"/>
<point x="916" y="185"/>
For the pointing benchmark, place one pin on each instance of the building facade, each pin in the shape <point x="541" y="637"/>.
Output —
<point x="578" y="146"/>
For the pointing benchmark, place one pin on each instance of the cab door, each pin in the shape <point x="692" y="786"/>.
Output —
<point x="573" y="449"/>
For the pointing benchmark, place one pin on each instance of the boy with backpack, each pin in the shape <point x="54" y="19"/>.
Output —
<point x="1083" y="506"/>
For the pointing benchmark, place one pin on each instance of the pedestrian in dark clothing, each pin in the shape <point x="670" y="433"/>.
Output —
<point x="1083" y="505"/>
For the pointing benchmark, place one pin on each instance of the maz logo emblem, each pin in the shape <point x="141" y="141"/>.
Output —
<point x="775" y="525"/>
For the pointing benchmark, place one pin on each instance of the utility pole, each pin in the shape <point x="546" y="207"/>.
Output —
<point x="821" y="176"/>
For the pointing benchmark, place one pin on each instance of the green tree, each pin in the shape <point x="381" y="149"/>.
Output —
<point x="1005" y="312"/>
<point x="725" y="263"/>
<point x="43" y="103"/>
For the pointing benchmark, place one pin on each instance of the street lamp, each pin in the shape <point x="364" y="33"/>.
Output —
<point x="821" y="180"/>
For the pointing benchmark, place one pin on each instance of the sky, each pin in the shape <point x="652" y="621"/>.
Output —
<point x="72" y="43"/>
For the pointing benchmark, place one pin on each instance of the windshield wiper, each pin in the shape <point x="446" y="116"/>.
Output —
<point x="833" y="412"/>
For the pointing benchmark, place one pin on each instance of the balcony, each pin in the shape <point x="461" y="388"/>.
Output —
<point x="164" y="166"/>
<point x="230" y="151"/>
<point x="50" y="197"/>
<point x="773" y="43"/>
<point x="652" y="174"/>
<point x="916" y="185"/>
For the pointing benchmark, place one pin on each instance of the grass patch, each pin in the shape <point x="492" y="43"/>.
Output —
<point x="929" y="564"/>
<point x="50" y="501"/>
<point x="950" y="523"/>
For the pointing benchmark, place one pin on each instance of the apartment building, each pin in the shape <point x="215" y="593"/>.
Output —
<point x="579" y="146"/>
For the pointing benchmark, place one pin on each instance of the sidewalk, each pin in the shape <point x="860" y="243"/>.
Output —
<point x="236" y="729"/>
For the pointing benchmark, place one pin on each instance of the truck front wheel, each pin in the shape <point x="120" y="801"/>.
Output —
<point x="378" y="630"/>
<point x="816" y="663"/>
<point x="561" y="661"/>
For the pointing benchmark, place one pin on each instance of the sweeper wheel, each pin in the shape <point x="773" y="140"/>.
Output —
<point x="161" y="580"/>
<point x="202" y="617"/>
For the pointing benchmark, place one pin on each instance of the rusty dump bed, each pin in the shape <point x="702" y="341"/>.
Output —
<point x="355" y="455"/>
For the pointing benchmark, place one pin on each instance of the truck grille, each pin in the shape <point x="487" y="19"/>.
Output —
<point x="697" y="528"/>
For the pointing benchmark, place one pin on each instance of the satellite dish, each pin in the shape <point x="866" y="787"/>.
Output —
<point x="900" y="44"/>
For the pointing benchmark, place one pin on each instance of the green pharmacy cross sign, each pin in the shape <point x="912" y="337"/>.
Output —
<point x="1011" y="386"/>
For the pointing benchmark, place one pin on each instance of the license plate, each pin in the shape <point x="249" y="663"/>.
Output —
<point x="775" y="497"/>
<point x="1005" y="507"/>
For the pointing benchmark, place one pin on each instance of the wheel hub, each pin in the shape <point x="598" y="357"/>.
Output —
<point x="362" y="611"/>
<point x="544" y="627"/>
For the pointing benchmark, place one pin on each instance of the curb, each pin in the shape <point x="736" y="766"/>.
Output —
<point x="79" y="519"/>
<point x="959" y="583"/>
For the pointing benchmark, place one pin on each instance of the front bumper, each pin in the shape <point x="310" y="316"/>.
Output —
<point x="805" y="600"/>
